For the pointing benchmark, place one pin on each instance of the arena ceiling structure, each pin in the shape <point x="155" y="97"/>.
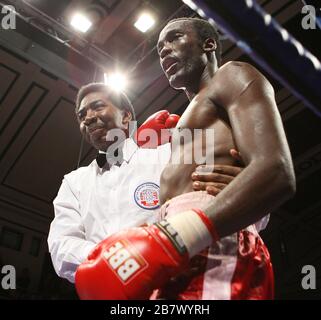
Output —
<point x="43" y="62"/>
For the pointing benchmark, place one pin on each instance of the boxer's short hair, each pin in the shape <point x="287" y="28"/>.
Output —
<point x="119" y="99"/>
<point x="204" y="30"/>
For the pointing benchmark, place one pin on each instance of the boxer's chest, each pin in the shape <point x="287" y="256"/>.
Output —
<point x="204" y="126"/>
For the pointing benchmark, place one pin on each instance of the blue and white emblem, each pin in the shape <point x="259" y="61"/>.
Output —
<point x="147" y="195"/>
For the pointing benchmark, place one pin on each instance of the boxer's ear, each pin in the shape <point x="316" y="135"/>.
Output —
<point x="127" y="116"/>
<point x="209" y="45"/>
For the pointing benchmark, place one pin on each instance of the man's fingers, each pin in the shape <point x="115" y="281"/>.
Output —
<point x="236" y="155"/>
<point x="199" y="185"/>
<point x="222" y="169"/>
<point x="213" y="191"/>
<point x="210" y="177"/>
<point x="227" y="170"/>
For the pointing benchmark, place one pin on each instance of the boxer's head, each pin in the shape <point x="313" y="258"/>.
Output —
<point x="100" y="109"/>
<point x="186" y="46"/>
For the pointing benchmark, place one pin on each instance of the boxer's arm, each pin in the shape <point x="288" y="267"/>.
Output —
<point x="268" y="179"/>
<point x="66" y="240"/>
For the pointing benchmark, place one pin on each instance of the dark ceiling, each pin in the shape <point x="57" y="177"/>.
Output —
<point x="43" y="62"/>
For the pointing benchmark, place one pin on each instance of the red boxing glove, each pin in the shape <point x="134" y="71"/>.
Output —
<point x="131" y="264"/>
<point x="155" y="130"/>
<point x="172" y="120"/>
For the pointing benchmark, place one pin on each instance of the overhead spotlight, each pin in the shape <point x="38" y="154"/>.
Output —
<point x="144" y="22"/>
<point x="116" y="81"/>
<point x="80" y="22"/>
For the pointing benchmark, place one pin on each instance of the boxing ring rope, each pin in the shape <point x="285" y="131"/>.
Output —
<point x="268" y="44"/>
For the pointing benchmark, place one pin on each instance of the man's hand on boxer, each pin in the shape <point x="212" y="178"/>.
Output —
<point x="214" y="180"/>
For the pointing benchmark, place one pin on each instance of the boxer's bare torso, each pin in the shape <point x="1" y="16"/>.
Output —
<point x="238" y="102"/>
<point x="201" y="113"/>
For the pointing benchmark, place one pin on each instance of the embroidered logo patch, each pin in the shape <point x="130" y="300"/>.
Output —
<point x="147" y="196"/>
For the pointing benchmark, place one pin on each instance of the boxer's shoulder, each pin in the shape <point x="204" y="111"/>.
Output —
<point x="231" y="66"/>
<point x="232" y="79"/>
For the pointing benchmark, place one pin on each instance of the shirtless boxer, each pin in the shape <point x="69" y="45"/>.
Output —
<point x="238" y="102"/>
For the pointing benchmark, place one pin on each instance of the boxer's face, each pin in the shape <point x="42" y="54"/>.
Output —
<point x="181" y="55"/>
<point x="97" y="115"/>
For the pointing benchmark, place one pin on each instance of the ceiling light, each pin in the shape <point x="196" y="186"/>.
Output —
<point x="80" y="22"/>
<point x="144" y="22"/>
<point x="116" y="81"/>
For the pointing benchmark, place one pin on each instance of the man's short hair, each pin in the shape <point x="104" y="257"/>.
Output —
<point x="119" y="99"/>
<point x="204" y="30"/>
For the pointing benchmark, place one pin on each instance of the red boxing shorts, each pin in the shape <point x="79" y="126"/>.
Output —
<point x="236" y="267"/>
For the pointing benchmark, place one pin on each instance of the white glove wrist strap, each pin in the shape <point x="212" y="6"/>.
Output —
<point x="192" y="230"/>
